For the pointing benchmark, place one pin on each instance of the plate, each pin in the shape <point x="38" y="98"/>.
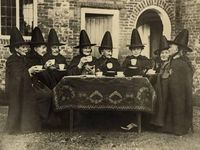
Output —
<point x="132" y="67"/>
<point x="111" y="71"/>
<point x="62" y="70"/>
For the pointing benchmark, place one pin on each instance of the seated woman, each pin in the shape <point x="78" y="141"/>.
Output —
<point x="41" y="80"/>
<point x="136" y="64"/>
<point x="84" y="63"/>
<point x="23" y="113"/>
<point x="55" y="62"/>
<point x="106" y="63"/>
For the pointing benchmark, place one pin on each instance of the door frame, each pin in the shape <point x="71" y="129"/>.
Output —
<point x="167" y="27"/>
<point x="115" y="24"/>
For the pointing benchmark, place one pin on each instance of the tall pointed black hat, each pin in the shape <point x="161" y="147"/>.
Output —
<point x="84" y="40"/>
<point x="37" y="37"/>
<point x="163" y="45"/>
<point x="182" y="40"/>
<point x="16" y="38"/>
<point x="53" y="38"/>
<point x="106" y="42"/>
<point x="135" y="40"/>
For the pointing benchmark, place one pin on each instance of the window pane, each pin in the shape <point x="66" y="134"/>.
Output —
<point x="26" y="16"/>
<point x="3" y="2"/>
<point x="96" y="26"/>
<point x="8" y="16"/>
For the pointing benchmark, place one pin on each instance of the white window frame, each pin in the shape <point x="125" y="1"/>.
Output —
<point x="115" y="24"/>
<point x="17" y="19"/>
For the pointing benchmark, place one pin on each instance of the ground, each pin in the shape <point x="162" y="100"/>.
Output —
<point x="100" y="140"/>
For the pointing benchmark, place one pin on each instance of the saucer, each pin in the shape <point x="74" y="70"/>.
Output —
<point x="62" y="69"/>
<point x="111" y="71"/>
<point x="132" y="67"/>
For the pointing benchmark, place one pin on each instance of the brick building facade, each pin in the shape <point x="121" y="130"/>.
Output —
<point x="151" y="17"/>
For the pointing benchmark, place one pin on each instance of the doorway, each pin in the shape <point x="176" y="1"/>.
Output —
<point x="152" y="23"/>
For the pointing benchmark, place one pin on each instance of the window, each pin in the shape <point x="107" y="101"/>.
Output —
<point x="19" y="13"/>
<point x="96" y="26"/>
<point x="96" y="22"/>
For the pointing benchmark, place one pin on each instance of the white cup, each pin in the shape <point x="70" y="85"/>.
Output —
<point x="99" y="74"/>
<point x="120" y="74"/>
<point x="61" y="66"/>
<point x="133" y="61"/>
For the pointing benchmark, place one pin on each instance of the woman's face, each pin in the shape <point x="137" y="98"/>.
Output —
<point x="136" y="51"/>
<point x="173" y="49"/>
<point x="107" y="53"/>
<point x="164" y="55"/>
<point x="86" y="50"/>
<point x="23" y="49"/>
<point x="55" y="50"/>
<point x="41" y="49"/>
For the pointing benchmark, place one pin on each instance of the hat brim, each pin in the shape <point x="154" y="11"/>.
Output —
<point x="18" y="44"/>
<point x="158" y="51"/>
<point x="135" y="46"/>
<point x="105" y="47"/>
<point x="183" y="46"/>
<point x="80" y="46"/>
<point x="38" y="43"/>
<point x="56" y="44"/>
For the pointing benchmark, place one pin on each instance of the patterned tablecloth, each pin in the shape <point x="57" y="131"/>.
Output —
<point x="104" y="93"/>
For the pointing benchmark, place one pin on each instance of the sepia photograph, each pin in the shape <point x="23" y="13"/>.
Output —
<point x="99" y="74"/>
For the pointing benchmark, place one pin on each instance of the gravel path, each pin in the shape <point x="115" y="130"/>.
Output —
<point x="104" y="140"/>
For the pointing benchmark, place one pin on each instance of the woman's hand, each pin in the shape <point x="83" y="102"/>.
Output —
<point x="35" y="69"/>
<point x="83" y="60"/>
<point x="49" y="63"/>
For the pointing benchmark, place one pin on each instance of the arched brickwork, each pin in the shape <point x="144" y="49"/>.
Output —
<point x="142" y="5"/>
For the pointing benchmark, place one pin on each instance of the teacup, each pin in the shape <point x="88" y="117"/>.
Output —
<point x="120" y="74"/>
<point x="61" y="66"/>
<point x="99" y="74"/>
<point x="133" y="61"/>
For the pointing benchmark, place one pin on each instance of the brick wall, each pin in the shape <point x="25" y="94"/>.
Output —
<point x="64" y="16"/>
<point x="188" y="16"/>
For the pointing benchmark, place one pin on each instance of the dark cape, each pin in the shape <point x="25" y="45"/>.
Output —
<point x="73" y="66"/>
<point x="23" y="113"/>
<point x="179" y="111"/>
<point x="101" y="64"/>
<point x="161" y="87"/>
<point x="173" y="111"/>
<point x="34" y="59"/>
<point x="55" y="73"/>
<point x="42" y="84"/>
<point x="142" y="64"/>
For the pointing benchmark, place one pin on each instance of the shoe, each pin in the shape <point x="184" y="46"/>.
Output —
<point x="129" y="127"/>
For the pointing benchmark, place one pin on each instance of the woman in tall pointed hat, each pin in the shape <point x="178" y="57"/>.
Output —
<point x="161" y="85"/>
<point x="84" y="62"/>
<point x="23" y="113"/>
<point x="41" y="79"/>
<point x="53" y="59"/>
<point x="179" y="111"/>
<point x="106" y="63"/>
<point x="181" y="41"/>
<point x="136" y="64"/>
